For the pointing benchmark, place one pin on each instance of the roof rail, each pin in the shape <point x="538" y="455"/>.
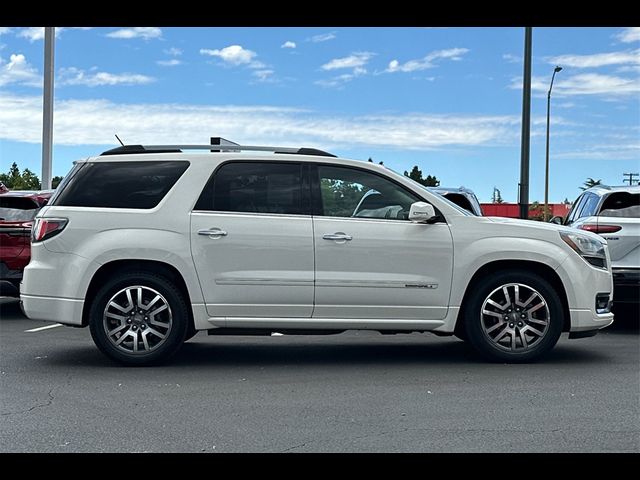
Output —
<point x="213" y="148"/>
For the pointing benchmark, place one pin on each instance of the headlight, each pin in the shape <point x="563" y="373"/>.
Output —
<point x="590" y="249"/>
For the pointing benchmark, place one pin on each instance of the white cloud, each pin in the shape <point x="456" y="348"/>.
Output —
<point x="145" y="33"/>
<point x="169" y="63"/>
<point x="615" y="151"/>
<point x="173" y="51"/>
<point x="323" y="37"/>
<point x="354" y="60"/>
<point x="234" y="55"/>
<point x="629" y="34"/>
<point x="597" y="59"/>
<point x="426" y="61"/>
<point x="76" y="76"/>
<point x="511" y="58"/>
<point x="607" y="86"/>
<point x="5" y="30"/>
<point x="265" y="75"/>
<point x="93" y="122"/>
<point x="18" y="71"/>
<point x="37" y="33"/>
<point x="288" y="44"/>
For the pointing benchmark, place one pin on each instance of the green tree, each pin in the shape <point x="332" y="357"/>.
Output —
<point x="55" y="181"/>
<point x="14" y="180"/>
<point x="416" y="174"/>
<point x="590" y="182"/>
<point x="536" y="211"/>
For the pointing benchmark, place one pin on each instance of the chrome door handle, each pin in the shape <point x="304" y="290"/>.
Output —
<point x="337" y="236"/>
<point x="214" y="232"/>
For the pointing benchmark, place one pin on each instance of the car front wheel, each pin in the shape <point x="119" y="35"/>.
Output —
<point x="513" y="316"/>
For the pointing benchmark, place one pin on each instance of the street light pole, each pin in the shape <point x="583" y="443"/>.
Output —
<point x="546" y="170"/>
<point x="47" y="107"/>
<point x="523" y="186"/>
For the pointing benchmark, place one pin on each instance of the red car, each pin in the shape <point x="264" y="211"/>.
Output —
<point x="17" y="209"/>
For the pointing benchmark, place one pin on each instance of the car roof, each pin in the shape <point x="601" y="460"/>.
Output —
<point x="606" y="189"/>
<point x="451" y="190"/>
<point x="218" y="156"/>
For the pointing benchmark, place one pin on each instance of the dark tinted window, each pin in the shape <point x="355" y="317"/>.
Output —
<point x="349" y="192"/>
<point x="120" y="184"/>
<point x="254" y="187"/>
<point x="17" y="209"/>
<point x="621" y="204"/>
<point x="461" y="201"/>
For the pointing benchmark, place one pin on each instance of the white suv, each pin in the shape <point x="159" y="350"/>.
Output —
<point x="148" y="245"/>
<point x="614" y="213"/>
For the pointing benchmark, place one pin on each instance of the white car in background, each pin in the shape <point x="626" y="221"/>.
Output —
<point x="614" y="213"/>
<point x="149" y="245"/>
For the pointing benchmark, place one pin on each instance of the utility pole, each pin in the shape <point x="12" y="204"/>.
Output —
<point x="630" y="179"/>
<point x="523" y="195"/>
<point x="47" y="107"/>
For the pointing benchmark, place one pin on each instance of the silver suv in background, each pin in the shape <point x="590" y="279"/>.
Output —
<point x="614" y="213"/>
<point x="461" y="196"/>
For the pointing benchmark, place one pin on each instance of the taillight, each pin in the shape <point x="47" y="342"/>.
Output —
<point x="597" y="228"/>
<point x="44" y="228"/>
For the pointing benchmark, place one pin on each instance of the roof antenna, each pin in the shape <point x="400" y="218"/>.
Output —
<point x="119" y="140"/>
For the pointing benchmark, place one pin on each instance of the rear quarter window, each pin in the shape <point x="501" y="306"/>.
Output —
<point x="621" y="204"/>
<point x="121" y="184"/>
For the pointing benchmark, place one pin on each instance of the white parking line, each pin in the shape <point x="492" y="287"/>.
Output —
<point x="39" y="329"/>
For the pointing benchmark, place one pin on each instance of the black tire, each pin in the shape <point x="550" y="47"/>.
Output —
<point x="178" y="311"/>
<point x="495" y="351"/>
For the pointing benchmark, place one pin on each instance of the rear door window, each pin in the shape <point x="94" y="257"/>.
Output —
<point x="576" y="208"/>
<point x="121" y="184"/>
<point x="255" y="187"/>
<point x="621" y="204"/>
<point x="590" y="205"/>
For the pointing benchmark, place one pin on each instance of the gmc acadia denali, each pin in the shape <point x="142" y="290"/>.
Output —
<point x="149" y="245"/>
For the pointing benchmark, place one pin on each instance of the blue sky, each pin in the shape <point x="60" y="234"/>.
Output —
<point x="446" y="99"/>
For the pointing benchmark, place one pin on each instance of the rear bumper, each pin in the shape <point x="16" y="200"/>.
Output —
<point x="626" y="282"/>
<point x="67" y="311"/>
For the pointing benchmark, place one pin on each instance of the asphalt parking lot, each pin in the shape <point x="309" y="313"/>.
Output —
<point x="354" y="392"/>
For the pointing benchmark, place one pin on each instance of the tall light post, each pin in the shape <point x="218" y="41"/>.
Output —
<point x="47" y="107"/>
<point x="546" y="169"/>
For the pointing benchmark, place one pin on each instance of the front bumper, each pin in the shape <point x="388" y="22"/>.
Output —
<point x="583" y="283"/>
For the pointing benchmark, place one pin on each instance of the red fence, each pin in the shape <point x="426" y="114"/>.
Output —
<point x="512" y="210"/>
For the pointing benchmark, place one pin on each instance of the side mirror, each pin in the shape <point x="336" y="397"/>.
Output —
<point x="421" y="212"/>
<point x="558" y="220"/>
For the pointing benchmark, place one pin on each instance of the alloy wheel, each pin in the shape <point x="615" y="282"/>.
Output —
<point x="137" y="319"/>
<point x="515" y="317"/>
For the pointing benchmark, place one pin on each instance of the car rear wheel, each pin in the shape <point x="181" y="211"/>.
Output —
<point x="513" y="316"/>
<point x="139" y="318"/>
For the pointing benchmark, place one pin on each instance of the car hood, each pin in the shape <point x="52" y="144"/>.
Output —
<point x="540" y="227"/>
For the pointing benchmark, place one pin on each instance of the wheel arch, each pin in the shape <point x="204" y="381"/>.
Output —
<point x="120" y="266"/>
<point x="541" y="269"/>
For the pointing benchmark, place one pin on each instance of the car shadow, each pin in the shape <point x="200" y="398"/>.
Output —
<point x="347" y="352"/>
